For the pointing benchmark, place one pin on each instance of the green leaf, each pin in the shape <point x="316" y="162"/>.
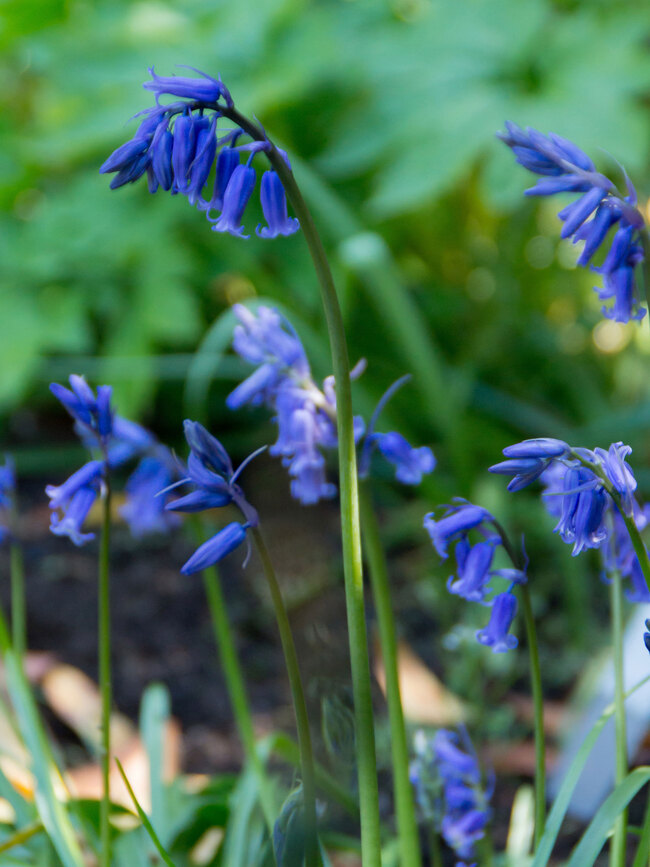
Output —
<point x="593" y="839"/>
<point x="51" y="810"/>
<point x="563" y="798"/>
<point x="154" y="715"/>
<point x="145" y="819"/>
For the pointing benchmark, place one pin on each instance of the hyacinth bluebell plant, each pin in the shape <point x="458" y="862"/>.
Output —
<point x="592" y="493"/>
<point x="447" y="780"/>
<point x="565" y="168"/>
<point x="306" y="414"/>
<point x="181" y="145"/>
<point x="118" y="441"/>
<point x="210" y="472"/>
<point x="473" y="580"/>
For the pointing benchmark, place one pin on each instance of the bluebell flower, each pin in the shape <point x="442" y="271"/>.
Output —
<point x="210" y="472"/>
<point x="92" y="412"/>
<point x="528" y="460"/>
<point x="646" y="636"/>
<point x="274" y="208"/>
<point x="235" y="198"/>
<point x="118" y="441"/>
<point x="447" y="780"/>
<point x="178" y="145"/>
<point x="7" y="497"/>
<point x="474" y="570"/>
<point x="495" y="634"/>
<point x="455" y="524"/>
<point x="582" y="487"/>
<point x="565" y="168"/>
<point x="205" y="89"/>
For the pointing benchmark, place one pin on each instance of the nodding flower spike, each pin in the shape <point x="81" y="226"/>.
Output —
<point x="75" y="511"/>
<point x="206" y="148"/>
<point x="495" y="634"/>
<point x="274" y="207"/>
<point x="94" y="413"/>
<point x="235" y="198"/>
<point x="565" y="168"/>
<point x="227" y="162"/>
<point x="161" y="156"/>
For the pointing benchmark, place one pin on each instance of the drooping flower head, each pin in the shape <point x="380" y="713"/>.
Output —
<point x="183" y="144"/>
<point x="591" y="493"/>
<point x="446" y="777"/>
<point x="563" y="167"/>
<point x="115" y="441"/>
<point x="475" y="567"/>
<point x="7" y="496"/>
<point x="214" y="485"/>
<point x="304" y="413"/>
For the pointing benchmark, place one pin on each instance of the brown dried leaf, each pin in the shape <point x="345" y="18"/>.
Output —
<point x="424" y="698"/>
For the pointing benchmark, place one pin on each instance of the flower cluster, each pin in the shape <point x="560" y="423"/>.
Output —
<point x="447" y="780"/>
<point x="117" y="441"/>
<point x="210" y="472"/>
<point x="566" y="168"/>
<point x="589" y="492"/>
<point x="179" y="148"/>
<point x="7" y="494"/>
<point x="304" y="413"/>
<point x="475" y="568"/>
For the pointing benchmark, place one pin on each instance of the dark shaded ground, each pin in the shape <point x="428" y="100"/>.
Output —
<point x="162" y="630"/>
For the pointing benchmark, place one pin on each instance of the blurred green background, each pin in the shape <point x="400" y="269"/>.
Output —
<point x="388" y="110"/>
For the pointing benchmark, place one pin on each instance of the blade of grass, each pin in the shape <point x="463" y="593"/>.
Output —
<point x="561" y="803"/>
<point x="593" y="839"/>
<point x="145" y="819"/>
<point x="154" y="714"/>
<point x="51" y="810"/>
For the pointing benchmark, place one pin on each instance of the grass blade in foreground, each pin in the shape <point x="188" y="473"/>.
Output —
<point x="561" y="804"/>
<point x="145" y="819"/>
<point x="594" y="837"/>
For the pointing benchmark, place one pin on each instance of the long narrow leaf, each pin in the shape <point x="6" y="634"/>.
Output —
<point x="51" y="809"/>
<point x="154" y="713"/>
<point x="561" y="804"/>
<point x="145" y="819"/>
<point x="594" y="837"/>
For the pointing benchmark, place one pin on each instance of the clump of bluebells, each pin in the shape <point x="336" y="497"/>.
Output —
<point x="115" y="441"/>
<point x="600" y="207"/>
<point x="475" y="569"/>
<point x="306" y="414"/>
<point x="591" y="493"/>
<point x="447" y="782"/>
<point x="182" y="145"/>
<point x="214" y="481"/>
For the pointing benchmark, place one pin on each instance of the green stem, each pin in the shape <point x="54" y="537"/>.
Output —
<point x="619" y="840"/>
<point x="378" y="570"/>
<point x="235" y="681"/>
<point x="18" y="617"/>
<point x="349" y="498"/>
<point x="435" y="849"/>
<point x="312" y="851"/>
<point x="538" y="704"/>
<point x="637" y="543"/>
<point x="536" y="687"/>
<point x="104" y="617"/>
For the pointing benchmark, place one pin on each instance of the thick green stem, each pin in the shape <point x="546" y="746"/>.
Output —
<point x="350" y="524"/>
<point x="536" y="687"/>
<point x="18" y="616"/>
<point x="538" y="704"/>
<point x="639" y="548"/>
<point x="235" y="682"/>
<point x="378" y="570"/>
<point x="104" y="618"/>
<point x="312" y="850"/>
<point x="619" y="840"/>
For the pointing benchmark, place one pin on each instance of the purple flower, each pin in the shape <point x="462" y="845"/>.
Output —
<point x="205" y="89"/>
<point x="528" y="460"/>
<point x="619" y="472"/>
<point x="92" y="412"/>
<point x="565" y="168"/>
<point x="474" y="565"/>
<point x="143" y="510"/>
<point x="455" y="523"/>
<point x="235" y="198"/>
<point x="495" y="634"/>
<point x="75" y="510"/>
<point x="274" y="207"/>
<point x="210" y="472"/>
